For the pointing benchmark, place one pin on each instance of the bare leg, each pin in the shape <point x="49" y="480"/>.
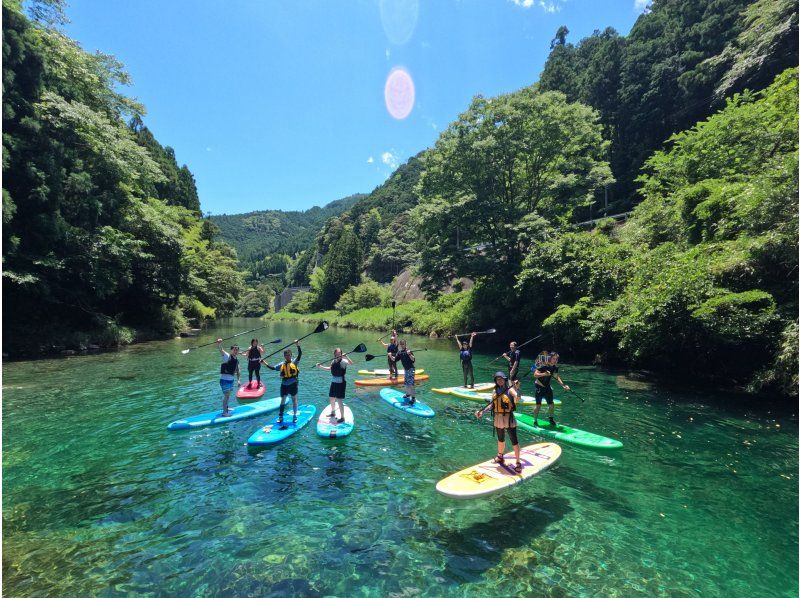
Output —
<point x="341" y="408"/>
<point x="333" y="406"/>
<point x="226" y="397"/>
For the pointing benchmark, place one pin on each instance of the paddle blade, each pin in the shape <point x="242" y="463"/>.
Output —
<point x="275" y="342"/>
<point x="362" y="348"/>
<point x="491" y="331"/>
<point x="185" y="351"/>
<point x="322" y="327"/>
<point x="369" y="357"/>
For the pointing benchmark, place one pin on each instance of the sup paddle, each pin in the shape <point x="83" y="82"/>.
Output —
<point x="518" y="347"/>
<point x="185" y="351"/>
<point x="369" y="357"/>
<point x="406" y="325"/>
<point x="361" y="348"/>
<point x="490" y="331"/>
<point x="321" y="327"/>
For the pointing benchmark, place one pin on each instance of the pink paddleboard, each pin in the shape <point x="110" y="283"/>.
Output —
<point x="253" y="393"/>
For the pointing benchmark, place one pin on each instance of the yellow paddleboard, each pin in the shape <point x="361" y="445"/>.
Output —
<point x="486" y="386"/>
<point x="385" y="372"/>
<point x="389" y="381"/>
<point x="489" y="477"/>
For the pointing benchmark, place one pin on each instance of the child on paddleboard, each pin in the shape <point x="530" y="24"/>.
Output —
<point x="254" y="354"/>
<point x="229" y="368"/>
<point x="503" y="404"/>
<point x="338" y="368"/>
<point x="544" y="374"/>
<point x="391" y="352"/>
<point x="513" y="356"/>
<point x="407" y="358"/>
<point x="465" y="352"/>
<point x="289" y="373"/>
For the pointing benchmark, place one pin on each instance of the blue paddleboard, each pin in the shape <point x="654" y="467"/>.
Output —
<point x="395" y="399"/>
<point x="329" y="427"/>
<point x="214" y="418"/>
<point x="273" y="432"/>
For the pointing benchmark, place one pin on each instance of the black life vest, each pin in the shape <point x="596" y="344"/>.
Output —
<point x="466" y="355"/>
<point x="253" y="354"/>
<point x="337" y="369"/>
<point x="229" y="367"/>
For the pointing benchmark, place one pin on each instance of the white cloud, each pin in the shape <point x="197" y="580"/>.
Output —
<point x="640" y="5"/>
<point x="549" y="6"/>
<point x="390" y="160"/>
<point x="370" y="160"/>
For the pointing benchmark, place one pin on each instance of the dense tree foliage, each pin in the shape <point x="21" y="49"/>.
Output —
<point x="500" y="177"/>
<point x="674" y="68"/>
<point x="100" y="226"/>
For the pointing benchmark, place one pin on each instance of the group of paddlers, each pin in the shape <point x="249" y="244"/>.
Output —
<point x="505" y="396"/>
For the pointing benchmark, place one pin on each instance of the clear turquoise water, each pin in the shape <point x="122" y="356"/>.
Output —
<point x="100" y="499"/>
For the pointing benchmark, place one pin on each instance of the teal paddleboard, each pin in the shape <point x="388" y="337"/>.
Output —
<point x="273" y="432"/>
<point x="395" y="399"/>
<point x="214" y="418"/>
<point x="566" y="434"/>
<point x="329" y="427"/>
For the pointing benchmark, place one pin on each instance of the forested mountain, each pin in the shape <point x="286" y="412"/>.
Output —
<point x="102" y="237"/>
<point x="675" y="67"/>
<point x="256" y="235"/>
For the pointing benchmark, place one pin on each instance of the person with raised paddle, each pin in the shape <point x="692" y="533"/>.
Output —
<point x="229" y="368"/>
<point x="289" y="373"/>
<point x="513" y="357"/>
<point x="408" y="360"/>
<point x="391" y="353"/>
<point x="503" y="404"/>
<point x="544" y="371"/>
<point x="337" y="368"/>
<point x="254" y="355"/>
<point x="465" y="353"/>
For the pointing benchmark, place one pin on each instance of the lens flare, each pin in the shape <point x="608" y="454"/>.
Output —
<point x="399" y="94"/>
<point x="399" y="19"/>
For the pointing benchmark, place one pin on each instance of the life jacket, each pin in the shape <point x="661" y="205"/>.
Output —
<point x="253" y="354"/>
<point x="337" y="369"/>
<point x="503" y="402"/>
<point x="229" y="367"/>
<point x="466" y="355"/>
<point x="289" y="370"/>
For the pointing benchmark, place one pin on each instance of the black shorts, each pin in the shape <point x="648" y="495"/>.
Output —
<point x="289" y="389"/>
<point x="337" y="390"/>
<point x="546" y="392"/>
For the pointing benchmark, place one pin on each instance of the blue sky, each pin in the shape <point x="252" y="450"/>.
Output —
<point x="280" y="105"/>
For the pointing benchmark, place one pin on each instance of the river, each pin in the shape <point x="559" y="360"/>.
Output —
<point x="100" y="499"/>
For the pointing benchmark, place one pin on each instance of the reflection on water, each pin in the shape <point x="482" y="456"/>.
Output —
<point x="101" y="499"/>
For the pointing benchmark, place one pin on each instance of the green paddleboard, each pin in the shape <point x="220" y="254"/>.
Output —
<point x="566" y="434"/>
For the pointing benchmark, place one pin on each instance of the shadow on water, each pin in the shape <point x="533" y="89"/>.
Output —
<point x="474" y="549"/>
<point x="608" y="499"/>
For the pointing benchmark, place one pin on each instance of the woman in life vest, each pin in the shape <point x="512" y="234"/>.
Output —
<point x="407" y="358"/>
<point x="254" y="354"/>
<point x="338" y="368"/>
<point x="391" y="351"/>
<point x="544" y="374"/>
<point x="229" y="368"/>
<point x="503" y="404"/>
<point x="465" y="352"/>
<point x="289" y="373"/>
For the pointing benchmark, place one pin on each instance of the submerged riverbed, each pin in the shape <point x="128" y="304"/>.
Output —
<point x="99" y="498"/>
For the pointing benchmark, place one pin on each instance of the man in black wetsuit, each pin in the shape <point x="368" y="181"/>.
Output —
<point x="544" y="375"/>
<point x="513" y="356"/>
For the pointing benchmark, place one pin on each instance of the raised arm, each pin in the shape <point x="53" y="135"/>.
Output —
<point x="471" y="339"/>
<point x="458" y="342"/>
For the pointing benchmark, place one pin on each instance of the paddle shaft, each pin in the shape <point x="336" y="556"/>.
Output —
<point x="295" y="342"/>
<point x="356" y="350"/>
<point x="226" y="338"/>
<point x="491" y="331"/>
<point x="518" y="347"/>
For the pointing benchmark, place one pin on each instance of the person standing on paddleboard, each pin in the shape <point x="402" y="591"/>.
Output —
<point x="229" y="368"/>
<point x="391" y="352"/>
<point x="503" y="404"/>
<point x="513" y="356"/>
<point x="544" y="374"/>
<point x="338" y="368"/>
<point x="289" y="373"/>
<point x="254" y="354"/>
<point x="465" y="352"/>
<point x="407" y="358"/>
